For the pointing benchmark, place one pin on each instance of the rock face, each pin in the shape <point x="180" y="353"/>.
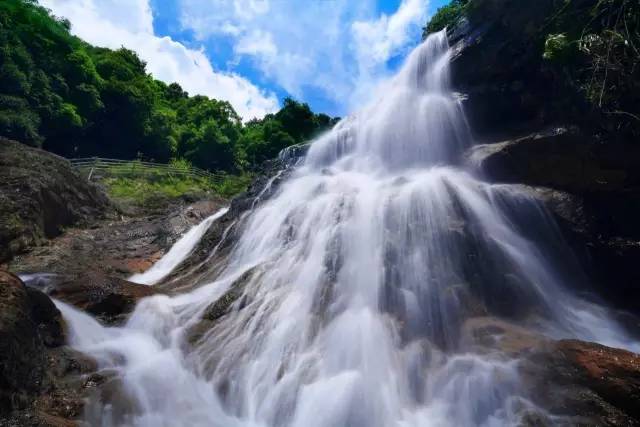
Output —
<point x="125" y="246"/>
<point x="585" y="383"/>
<point x="23" y="362"/>
<point x="560" y="158"/>
<point x="534" y="128"/>
<point x="39" y="195"/>
<point x="580" y="383"/>
<point x="41" y="380"/>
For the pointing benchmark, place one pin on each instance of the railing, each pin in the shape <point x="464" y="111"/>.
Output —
<point x="97" y="167"/>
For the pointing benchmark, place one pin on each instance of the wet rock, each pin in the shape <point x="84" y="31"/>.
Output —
<point x="40" y="195"/>
<point x="560" y="158"/>
<point x="492" y="335"/>
<point x="41" y="380"/>
<point x="497" y="62"/>
<point x="39" y="377"/>
<point x="22" y="360"/>
<point x="126" y="246"/>
<point x="211" y="254"/>
<point x="108" y="298"/>
<point x="606" y="249"/>
<point x="221" y="306"/>
<point x="585" y="383"/>
<point x="47" y="318"/>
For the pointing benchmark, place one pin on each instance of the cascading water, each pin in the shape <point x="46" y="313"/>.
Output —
<point x="178" y="252"/>
<point x="353" y="286"/>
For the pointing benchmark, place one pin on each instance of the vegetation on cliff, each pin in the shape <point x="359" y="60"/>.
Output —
<point x="66" y="96"/>
<point x="588" y="50"/>
<point x="446" y="16"/>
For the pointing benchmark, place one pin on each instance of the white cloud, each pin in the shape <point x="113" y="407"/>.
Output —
<point x="129" y="23"/>
<point x="340" y="47"/>
<point x="375" y="41"/>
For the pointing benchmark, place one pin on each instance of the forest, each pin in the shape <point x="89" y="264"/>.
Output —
<point x="62" y="94"/>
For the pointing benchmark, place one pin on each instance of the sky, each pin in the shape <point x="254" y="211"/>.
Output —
<point x="254" y="53"/>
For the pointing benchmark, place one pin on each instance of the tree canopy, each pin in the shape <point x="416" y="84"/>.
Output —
<point x="64" y="95"/>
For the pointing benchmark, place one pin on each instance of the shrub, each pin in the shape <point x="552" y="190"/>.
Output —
<point x="446" y="16"/>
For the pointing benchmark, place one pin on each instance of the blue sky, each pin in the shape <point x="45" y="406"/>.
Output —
<point x="253" y="53"/>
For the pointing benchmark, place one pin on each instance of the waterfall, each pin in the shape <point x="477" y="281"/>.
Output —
<point x="178" y="252"/>
<point x="350" y="288"/>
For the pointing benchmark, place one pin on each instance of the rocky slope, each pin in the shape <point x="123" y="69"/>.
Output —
<point x="42" y="381"/>
<point x="535" y="128"/>
<point x="39" y="196"/>
<point x="54" y="222"/>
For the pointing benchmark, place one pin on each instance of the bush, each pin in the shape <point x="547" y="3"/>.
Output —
<point x="446" y="16"/>
<point x="556" y="47"/>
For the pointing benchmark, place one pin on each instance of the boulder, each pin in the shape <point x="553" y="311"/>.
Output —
<point x="108" y="298"/>
<point x="29" y="324"/>
<point x="40" y="194"/>
<point x="560" y="158"/>
<point x="578" y="383"/>
<point x="585" y="383"/>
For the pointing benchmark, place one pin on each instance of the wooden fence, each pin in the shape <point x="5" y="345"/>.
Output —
<point x="97" y="167"/>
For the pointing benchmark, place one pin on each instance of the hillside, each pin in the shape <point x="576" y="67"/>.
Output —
<point x="76" y="100"/>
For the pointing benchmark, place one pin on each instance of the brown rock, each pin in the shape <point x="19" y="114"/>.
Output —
<point x="585" y="383"/>
<point x="612" y="373"/>
<point x="489" y="334"/>
<point x="108" y="298"/>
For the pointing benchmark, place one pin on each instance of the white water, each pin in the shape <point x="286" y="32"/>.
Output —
<point x="178" y="252"/>
<point x="363" y="269"/>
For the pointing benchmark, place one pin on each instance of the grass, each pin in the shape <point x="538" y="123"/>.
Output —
<point x="143" y="189"/>
<point x="124" y="183"/>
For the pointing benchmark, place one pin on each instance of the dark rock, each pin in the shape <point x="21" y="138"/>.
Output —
<point x="109" y="298"/>
<point x="498" y="63"/>
<point x="39" y="378"/>
<point x="222" y="306"/>
<point x="47" y="317"/>
<point x="22" y="359"/>
<point x="579" y="383"/>
<point x="40" y="195"/>
<point x="560" y="158"/>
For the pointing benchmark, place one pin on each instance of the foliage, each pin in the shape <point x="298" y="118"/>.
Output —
<point x="446" y="16"/>
<point x="125" y="181"/>
<point x="76" y="100"/>
<point x="141" y="189"/>
<point x="232" y="185"/>
<point x="597" y="44"/>
<point x="556" y="47"/>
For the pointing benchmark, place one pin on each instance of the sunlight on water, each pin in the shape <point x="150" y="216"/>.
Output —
<point x="178" y="252"/>
<point x="360" y="274"/>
